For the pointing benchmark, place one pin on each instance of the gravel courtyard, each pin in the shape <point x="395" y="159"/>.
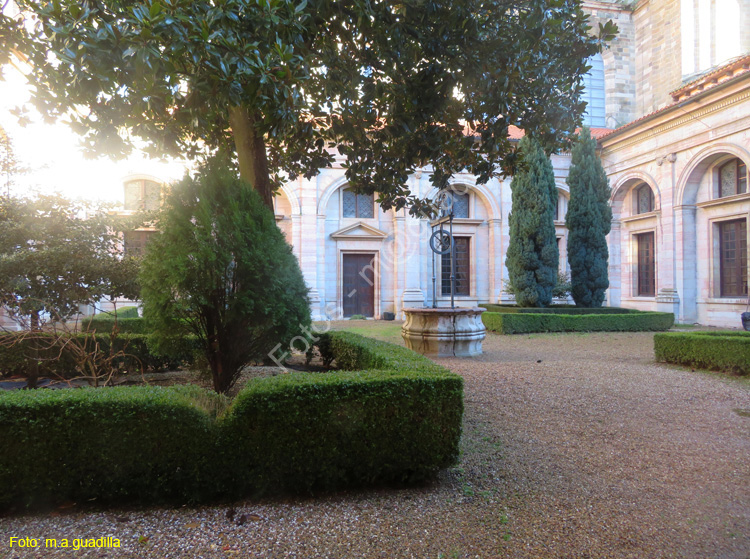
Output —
<point x="574" y="446"/>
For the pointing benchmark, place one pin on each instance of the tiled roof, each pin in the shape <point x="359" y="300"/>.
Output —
<point x="597" y="133"/>
<point x="739" y="65"/>
<point x="515" y="133"/>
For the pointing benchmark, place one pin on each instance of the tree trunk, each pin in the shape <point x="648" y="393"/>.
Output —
<point x="216" y="362"/>
<point x="32" y="377"/>
<point x="251" y="153"/>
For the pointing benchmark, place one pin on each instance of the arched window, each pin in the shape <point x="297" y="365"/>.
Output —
<point x="142" y="195"/>
<point x="732" y="178"/>
<point x="643" y="199"/>
<point x="356" y="205"/>
<point x="459" y="203"/>
<point x="593" y="93"/>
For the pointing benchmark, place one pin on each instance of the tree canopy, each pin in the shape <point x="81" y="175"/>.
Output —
<point x="392" y="86"/>
<point x="10" y="167"/>
<point x="56" y="255"/>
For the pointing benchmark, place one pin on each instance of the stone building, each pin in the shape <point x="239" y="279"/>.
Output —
<point x="669" y="102"/>
<point x="677" y="161"/>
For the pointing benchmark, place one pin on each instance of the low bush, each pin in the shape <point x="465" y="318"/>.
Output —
<point x="354" y="352"/>
<point x="121" y="312"/>
<point x="399" y="420"/>
<point x="719" y="351"/>
<point x="524" y="323"/>
<point x="17" y="353"/>
<point x="134" y="444"/>
<point x="104" y="324"/>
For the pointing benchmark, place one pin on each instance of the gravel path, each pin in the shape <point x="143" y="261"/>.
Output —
<point x="575" y="446"/>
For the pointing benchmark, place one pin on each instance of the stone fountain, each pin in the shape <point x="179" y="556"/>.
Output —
<point x="444" y="332"/>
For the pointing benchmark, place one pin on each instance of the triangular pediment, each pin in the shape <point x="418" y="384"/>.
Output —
<point x="359" y="230"/>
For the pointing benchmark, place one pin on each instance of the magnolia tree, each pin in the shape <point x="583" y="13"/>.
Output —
<point x="391" y="86"/>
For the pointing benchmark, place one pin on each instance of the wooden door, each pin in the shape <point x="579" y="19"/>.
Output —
<point x="358" y="284"/>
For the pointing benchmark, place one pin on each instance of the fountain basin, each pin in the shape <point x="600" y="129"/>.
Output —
<point x="444" y="332"/>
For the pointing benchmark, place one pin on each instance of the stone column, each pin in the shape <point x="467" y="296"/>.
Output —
<point x="409" y="255"/>
<point x="320" y="239"/>
<point x="686" y="264"/>
<point x="496" y="260"/>
<point x="395" y="261"/>
<point x="614" y="293"/>
<point x="308" y="242"/>
<point x="506" y="201"/>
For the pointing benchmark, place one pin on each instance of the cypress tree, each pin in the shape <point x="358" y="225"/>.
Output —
<point x="532" y="257"/>
<point x="589" y="220"/>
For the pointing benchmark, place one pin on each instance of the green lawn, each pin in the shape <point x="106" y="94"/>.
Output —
<point x="385" y="330"/>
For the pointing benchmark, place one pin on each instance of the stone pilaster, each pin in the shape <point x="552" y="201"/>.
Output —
<point x="686" y="266"/>
<point x="614" y="293"/>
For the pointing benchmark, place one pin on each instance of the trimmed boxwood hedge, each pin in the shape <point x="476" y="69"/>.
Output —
<point x="719" y="351"/>
<point x="399" y="420"/>
<point x="556" y="309"/>
<point x="524" y="323"/>
<point x="103" y="324"/>
<point x="136" y="444"/>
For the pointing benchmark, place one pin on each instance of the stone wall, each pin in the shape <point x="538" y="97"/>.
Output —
<point x="619" y="61"/>
<point x="677" y="153"/>
<point x="658" y="63"/>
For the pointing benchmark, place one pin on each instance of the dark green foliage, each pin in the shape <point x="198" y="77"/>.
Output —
<point x="120" y="312"/>
<point x="532" y="257"/>
<point x="588" y="220"/>
<point x="293" y="79"/>
<point x="557" y="309"/>
<point x="524" y="323"/>
<point x="718" y="351"/>
<point x="56" y="360"/>
<point x="393" y="425"/>
<point x="560" y="291"/>
<point x="104" y="324"/>
<point x="135" y="444"/>
<point x="17" y="357"/>
<point x="354" y="352"/>
<point x="52" y="260"/>
<point x="562" y="287"/>
<point x="222" y="271"/>
<point x="400" y="420"/>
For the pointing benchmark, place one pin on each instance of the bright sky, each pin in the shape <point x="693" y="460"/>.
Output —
<point x="55" y="160"/>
